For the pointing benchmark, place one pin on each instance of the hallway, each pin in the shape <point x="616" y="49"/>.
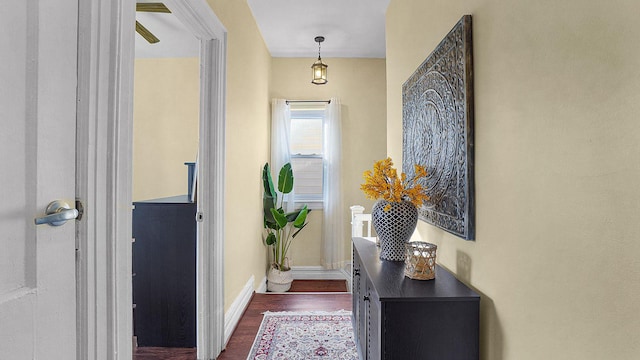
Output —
<point x="328" y="298"/>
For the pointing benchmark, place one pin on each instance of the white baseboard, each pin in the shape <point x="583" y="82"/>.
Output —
<point x="233" y="315"/>
<point x="318" y="273"/>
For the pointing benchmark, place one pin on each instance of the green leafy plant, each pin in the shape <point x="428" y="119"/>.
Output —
<point x="281" y="227"/>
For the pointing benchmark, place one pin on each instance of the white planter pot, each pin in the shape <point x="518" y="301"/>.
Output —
<point x="279" y="281"/>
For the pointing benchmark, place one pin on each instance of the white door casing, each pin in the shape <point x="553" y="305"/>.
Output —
<point x="38" y="80"/>
<point x="104" y="127"/>
<point x="198" y="17"/>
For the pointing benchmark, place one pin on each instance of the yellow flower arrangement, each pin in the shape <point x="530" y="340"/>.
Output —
<point x="383" y="183"/>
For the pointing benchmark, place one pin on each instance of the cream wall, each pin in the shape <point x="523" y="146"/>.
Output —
<point x="557" y="154"/>
<point x="165" y="126"/>
<point x="247" y="146"/>
<point x="361" y="86"/>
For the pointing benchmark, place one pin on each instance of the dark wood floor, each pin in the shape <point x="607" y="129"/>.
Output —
<point x="318" y="286"/>
<point x="156" y="353"/>
<point x="244" y="334"/>
<point x="242" y="338"/>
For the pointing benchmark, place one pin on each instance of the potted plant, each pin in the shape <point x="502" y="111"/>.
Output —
<point x="281" y="227"/>
<point x="395" y="214"/>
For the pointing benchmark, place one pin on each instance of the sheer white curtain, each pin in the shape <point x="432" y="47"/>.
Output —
<point x="333" y="207"/>
<point x="280" y="139"/>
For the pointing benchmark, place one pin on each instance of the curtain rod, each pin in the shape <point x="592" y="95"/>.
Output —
<point x="308" y="101"/>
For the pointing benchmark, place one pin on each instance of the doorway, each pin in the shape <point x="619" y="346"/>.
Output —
<point x="165" y="146"/>
<point x="199" y="19"/>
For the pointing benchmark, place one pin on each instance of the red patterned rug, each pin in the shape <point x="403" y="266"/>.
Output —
<point x="305" y="335"/>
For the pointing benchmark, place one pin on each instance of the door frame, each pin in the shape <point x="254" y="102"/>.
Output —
<point x="198" y="17"/>
<point x="104" y="173"/>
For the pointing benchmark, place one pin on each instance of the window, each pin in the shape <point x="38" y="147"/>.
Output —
<point x="307" y="153"/>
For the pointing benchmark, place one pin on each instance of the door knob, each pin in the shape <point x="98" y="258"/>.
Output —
<point x="58" y="212"/>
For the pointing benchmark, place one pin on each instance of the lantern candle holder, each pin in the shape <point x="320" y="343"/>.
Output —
<point x="420" y="260"/>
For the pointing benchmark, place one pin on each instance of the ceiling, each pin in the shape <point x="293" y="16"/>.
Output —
<point x="175" y="39"/>
<point x="352" y="29"/>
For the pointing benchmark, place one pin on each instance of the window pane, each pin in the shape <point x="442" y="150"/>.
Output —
<point x="306" y="136"/>
<point x="306" y="152"/>
<point x="307" y="173"/>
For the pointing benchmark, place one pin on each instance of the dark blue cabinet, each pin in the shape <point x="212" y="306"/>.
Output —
<point x="164" y="272"/>
<point x="399" y="318"/>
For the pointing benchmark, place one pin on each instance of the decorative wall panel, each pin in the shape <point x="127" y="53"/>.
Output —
<point x="437" y="114"/>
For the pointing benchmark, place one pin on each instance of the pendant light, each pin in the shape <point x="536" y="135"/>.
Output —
<point x="319" y="68"/>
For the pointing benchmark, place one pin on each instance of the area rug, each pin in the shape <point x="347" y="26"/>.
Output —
<point x="305" y="335"/>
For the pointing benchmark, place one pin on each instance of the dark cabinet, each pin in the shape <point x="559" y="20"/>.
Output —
<point x="164" y="272"/>
<point x="399" y="318"/>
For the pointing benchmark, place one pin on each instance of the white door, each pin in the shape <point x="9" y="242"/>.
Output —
<point x="38" y="71"/>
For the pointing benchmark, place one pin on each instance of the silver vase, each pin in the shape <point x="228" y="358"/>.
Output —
<point x="394" y="227"/>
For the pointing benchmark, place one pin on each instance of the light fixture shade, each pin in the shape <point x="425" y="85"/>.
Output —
<point x="319" y="70"/>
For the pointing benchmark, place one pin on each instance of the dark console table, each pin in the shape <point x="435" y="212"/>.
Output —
<point x="395" y="317"/>
<point x="164" y="272"/>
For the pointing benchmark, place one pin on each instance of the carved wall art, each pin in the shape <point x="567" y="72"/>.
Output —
<point x="437" y="131"/>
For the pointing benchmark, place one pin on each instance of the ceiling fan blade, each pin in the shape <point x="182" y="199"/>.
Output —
<point x="152" y="7"/>
<point x="146" y="34"/>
